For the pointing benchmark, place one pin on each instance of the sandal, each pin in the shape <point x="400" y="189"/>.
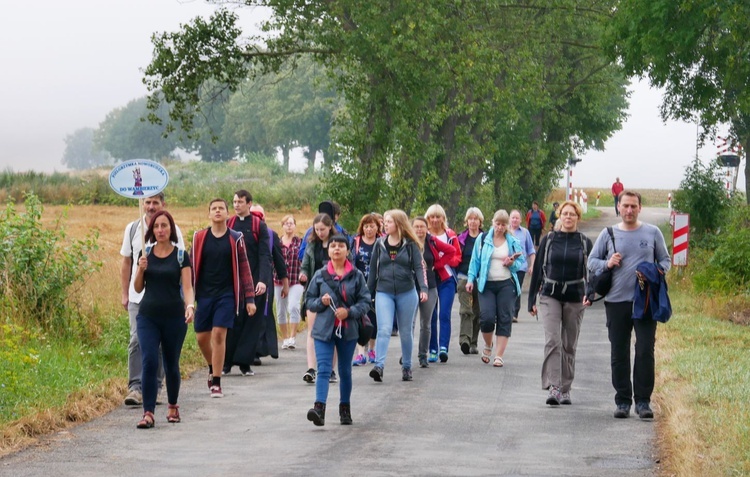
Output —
<point x="498" y="363"/>
<point x="173" y="417"/>
<point x="486" y="354"/>
<point x="147" y="422"/>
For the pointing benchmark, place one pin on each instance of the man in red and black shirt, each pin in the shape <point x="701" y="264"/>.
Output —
<point x="617" y="187"/>
<point x="223" y="283"/>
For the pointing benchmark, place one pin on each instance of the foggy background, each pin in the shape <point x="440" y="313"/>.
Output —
<point x="67" y="64"/>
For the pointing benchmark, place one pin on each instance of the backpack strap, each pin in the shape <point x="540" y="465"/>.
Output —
<point x="131" y="232"/>
<point x="356" y="244"/>
<point x="550" y="236"/>
<point x="180" y="256"/>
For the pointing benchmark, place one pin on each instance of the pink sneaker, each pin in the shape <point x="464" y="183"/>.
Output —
<point x="360" y="360"/>
<point x="371" y="356"/>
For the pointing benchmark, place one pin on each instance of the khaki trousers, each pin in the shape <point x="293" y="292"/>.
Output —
<point x="562" y="324"/>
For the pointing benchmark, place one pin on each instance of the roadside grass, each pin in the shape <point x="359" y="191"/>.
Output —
<point x="703" y="384"/>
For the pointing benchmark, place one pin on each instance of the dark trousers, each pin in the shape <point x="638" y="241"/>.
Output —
<point x="620" y="325"/>
<point x="536" y="234"/>
<point x="517" y="306"/>
<point x="169" y="333"/>
<point x="244" y="338"/>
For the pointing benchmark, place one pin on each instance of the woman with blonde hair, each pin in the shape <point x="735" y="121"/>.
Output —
<point x="288" y="307"/>
<point x="395" y="264"/>
<point x="469" y="310"/>
<point x="441" y="335"/>
<point x="559" y="278"/>
<point x="496" y="257"/>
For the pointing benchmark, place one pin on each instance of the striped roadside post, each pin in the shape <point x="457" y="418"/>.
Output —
<point x="680" y="234"/>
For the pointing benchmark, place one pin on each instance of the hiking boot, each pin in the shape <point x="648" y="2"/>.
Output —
<point x="333" y="379"/>
<point x="345" y="414"/>
<point x="134" y="398"/>
<point x="406" y="374"/>
<point x="376" y="373"/>
<point x="309" y="376"/>
<point x="554" y="396"/>
<point x="247" y="371"/>
<point x="465" y="348"/>
<point x="317" y="414"/>
<point x="443" y="354"/>
<point x="433" y="356"/>
<point x="565" y="399"/>
<point x="644" y="410"/>
<point x="622" y="411"/>
<point x="360" y="360"/>
<point x="423" y="362"/>
<point x="216" y="392"/>
<point x="371" y="356"/>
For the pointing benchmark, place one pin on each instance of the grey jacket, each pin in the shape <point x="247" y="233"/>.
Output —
<point x="353" y="288"/>
<point x="396" y="276"/>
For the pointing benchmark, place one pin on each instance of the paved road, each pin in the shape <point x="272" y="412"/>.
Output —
<point x="458" y="418"/>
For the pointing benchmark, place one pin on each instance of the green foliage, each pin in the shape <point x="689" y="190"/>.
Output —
<point x="702" y="195"/>
<point x="80" y="152"/>
<point x="16" y="353"/>
<point x="727" y="267"/>
<point x="40" y="270"/>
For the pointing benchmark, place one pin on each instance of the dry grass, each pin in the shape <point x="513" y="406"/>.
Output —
<point x="650" y="197"/>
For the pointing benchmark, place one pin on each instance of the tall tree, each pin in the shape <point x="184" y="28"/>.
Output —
<point x="80" y="152"/>
<point x="698" y="52"/>
<point x="125" y="134"/>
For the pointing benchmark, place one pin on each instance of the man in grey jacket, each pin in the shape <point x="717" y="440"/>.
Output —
<point x="634" y="242"/>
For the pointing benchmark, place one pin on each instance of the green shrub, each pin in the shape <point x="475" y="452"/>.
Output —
<point x="40" y="270"/>
<point x="702" y="195"/>
<point x="725" y="266"/>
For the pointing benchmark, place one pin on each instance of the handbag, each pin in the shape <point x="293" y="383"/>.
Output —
<point x="601" y="282"/>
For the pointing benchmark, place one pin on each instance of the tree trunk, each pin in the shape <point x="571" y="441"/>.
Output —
<point x="285" y="156"/>
<point x="310" y="156"/>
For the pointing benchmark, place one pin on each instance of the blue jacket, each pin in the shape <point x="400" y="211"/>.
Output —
<point x="481" y="256"/>
<point x="650" y="298"/>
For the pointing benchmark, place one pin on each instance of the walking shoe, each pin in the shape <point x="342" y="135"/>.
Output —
<point x="371" y="356"/>
<point x="433" y="356"/>
<point x="134" y="398"/>
<point x="473" y="349"/>
<point x="216" y="392"/>
<point x="360" y="360"/>
<point x="622" y="411"/>
<point x="333" y="379"/>
<point x="317" y="414"/>
<point x="226" y="371"/>
<point x="565" y="399"/>
<point x="292" y="343"/>
<point x="443" y="354"/>
<point x="644" y="410"/>
<point x="406" y="374"/>
<point x="210" y="381"/>
<point x="554" y="396"/>
<point x="309" y="376"/>
<point x="376" y="373"/>
<point x="394" y="333"/>
<point x="247" y="371"/>
<point x="423" y="362"/>
<point x="285" y="344"/>
<point x="345" y="414"/>
<point x="257" y="362"/>
<point x="465" y="348"/>
<point x="515" y="320"/>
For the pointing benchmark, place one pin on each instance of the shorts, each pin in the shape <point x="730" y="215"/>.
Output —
<point x="214" y="312"/>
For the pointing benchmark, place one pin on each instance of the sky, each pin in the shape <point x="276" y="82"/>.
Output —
<point x="66" y="64"/>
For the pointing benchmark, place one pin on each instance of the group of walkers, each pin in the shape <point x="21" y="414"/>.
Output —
<point x="393" y="272"/>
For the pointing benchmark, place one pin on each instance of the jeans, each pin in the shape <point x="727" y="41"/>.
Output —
<point x="441" y="336"/>
<point x="135" y="365"/>
<point x="469" y="312"/>
<point x="496" y="305"/>
<point x="620" y="326"/>
<point x="426" y="309"/>
<point x="324" y="351"/>
<point x="562" y="325"/>
<point x="169" y="332"/>
<point x="400" y="308"/>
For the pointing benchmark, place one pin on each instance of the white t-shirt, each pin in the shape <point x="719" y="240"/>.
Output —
<point x="127" y="251"/>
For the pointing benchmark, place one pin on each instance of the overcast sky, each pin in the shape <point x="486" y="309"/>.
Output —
<point x="66" y="64"/>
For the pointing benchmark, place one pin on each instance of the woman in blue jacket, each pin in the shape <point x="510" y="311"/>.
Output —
<point x="496" y="258"/>
<point x="338" y="294"/>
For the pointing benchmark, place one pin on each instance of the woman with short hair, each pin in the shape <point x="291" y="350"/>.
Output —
<point x="495" y="259"/>
<point x="363" y="243"/>
<point x="469" y="309"/>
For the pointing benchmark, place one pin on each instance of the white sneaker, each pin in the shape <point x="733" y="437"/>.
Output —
<point x="285" y="345"/>
<point x="292" y="343"/>
<point x="134" y="398"/>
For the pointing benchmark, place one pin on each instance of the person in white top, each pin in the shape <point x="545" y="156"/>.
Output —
<point x="130" y="250"/>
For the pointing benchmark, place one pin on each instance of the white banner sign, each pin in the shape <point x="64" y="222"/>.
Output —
<point x="138" y="178"/>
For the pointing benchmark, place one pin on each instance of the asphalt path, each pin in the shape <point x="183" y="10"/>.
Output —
<point x="459" y="418"/>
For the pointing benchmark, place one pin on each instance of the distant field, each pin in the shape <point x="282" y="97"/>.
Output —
<point x="651" y="197"/>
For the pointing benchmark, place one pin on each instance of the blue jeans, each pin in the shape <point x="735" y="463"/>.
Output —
<point x="324" y="352"/>
<point x="446" y="293"/>
<point x="170" y="334"/>
<point x="402" y="307"/>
